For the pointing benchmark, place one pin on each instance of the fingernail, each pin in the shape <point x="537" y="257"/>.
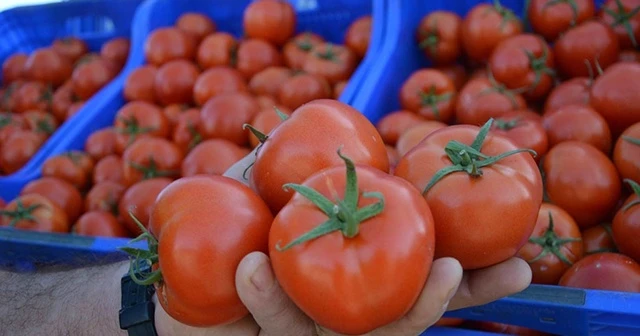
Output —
<point x="262" y="277"/>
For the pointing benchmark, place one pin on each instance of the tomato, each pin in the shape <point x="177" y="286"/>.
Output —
<point x="449" y="322"/>
<point x="338" y="88"/>
<point x="40" y="122"/>
<point x="217" y="81"/>
<point x="168" y="43"/>
<point x="392" y="125"/>
<point x="212" y="157"/>
<point x="185" y="133"/>
<point x="74" y="167"/>
<point x="101" y="143"/>
<point x="255" y="55"/>
<point x="266" y="101"/>
<point x="456" y="72"/>
<point x="32" y="96"/>
<point x="269" y="80"/>
<point x="393" y="156"/>
<point x="578" y="122"/>
<point x="399" y="234"/>
<point x="484" y="213"/>
<point x="413" y="135"/>
<point x="484" y="27"/>
<point x="139" y="200"/>
<point x="17" y="149"/>
<point x="626" y="224"/>
<point x="265" y="121"/>
<point x="173" y="112"/>
<point x="590" y="44"/>
<point x="216" y="121"/>
<point x="34" y="213"/>
<point x="72" y="48"/>
<point x="598" y="239"/>
<point x="74" y="108"/>
<point x="438" y="35"/>
<point x="174" y="82"/>
<point x="581" y="180"/>
<point x="629" y="55"/>
<point x="9" y="95"/>
<point x="296" y="50"/>
<point x="218" y="49"/>
<point x="149" y="158"/>
<point x="12" y="67"/>
<point x="524" y="130"/>
<point x="358" y="35"/>
<point x="524" y="61"/>
<point x="9" y="124"/>
<point x="104" y="196"/>
<point x="61" y="100"/>
<point x="116" y="51"/>
<point x="46" y="66"/>
<point x="483" y="98"/>
<point x="604" y="271"/>
<point x="623" y="17"/>
<point x="552" y="18"/>
<point x="99" y="224"/>
<point x="508" y="329"/>
<point x="196" y="24"/>
<point x="626" y="154"/>
<point x="58" y="191"/>
<point x="572" y="91"/>
<point x="139" y="84"/>
<point x="139" y="119"/>
<point x="109" y="168"/>
<point x="303" y="88"/>
<point x="90" y="75"/>
<point x="333" y="62"/>
<point x="614" y="97"/>
<point x="429" y="93"/>
<point x="270" y="20"/>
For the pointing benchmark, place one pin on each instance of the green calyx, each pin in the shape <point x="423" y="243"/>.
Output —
<point x="501" y="89"/>
<point x="636" y="190"/>
<point x="631" y="140"/>
<point x="539" y="66"/>
<point x="44" y="126"/>
<point x="504" y="12"/>
<point x="551" y="243"/>
<point x="431" y="39"/>
<point x="305" y="43"/>
<point x="621" y="18"/>
<point x="5" y="120"/>
<point x="196" y="137"/>
<point x="571" y="3"/>
<point x="133" y="129"/>
<point x="329" y="54"/>
<point x="151" y="170"/>
<point x="74" y="156"/>
<point x="432" y="99"/>
<point x="609" y="231"/>
<point x="137" y="257"/>
<point x="343" y="215"/>
<point x="470" y="159"/>
<point x="507" y="125"/>
<point x="21" y="213"/>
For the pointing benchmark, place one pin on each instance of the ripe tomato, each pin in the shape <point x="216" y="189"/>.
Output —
<point x="578" y="122"/>
<point x="590" y="44"/>
<point x="46" y="66"/>
<point x="296" y="50"/>
<point x="217" y="81"/>
<point x="151" y="157"/>
<point x="17" y="149"/>
<point x="456" y="72"/>
<point x="614" y="97"/>
<point x="430" y="93"/>
<point x="99" y="224"/>
<point x="205" y="295"/>
<point x="483" y="98"/>
<point x="626" y="224"/>
<point x="581" y="180"/>
<point x="185" y="133"/>
<point x="622" y="16"/>
<point x="212" y="157"/>
<point x="484" y="27"/>
<point x="266" y="101"/>
<point x="32" y="96"/>
<point x="333" y="62"/>
<point x="573" y="91"/>
<point x="327" y="124"/>
<point x="338" y="88"/>
<point x="524" y="130"/>
<point x="116" y="51"/>
<point x="217" y="123"/>
<point x="392" y="125"/>
<point x="255" y="55"/>
<point x="139" y="200"/>
<point x="303" y="88"/>
<point x="438" y="36"/>
<point x="604" y="271"/>
<point x="218" y="49"/>
<point x="9" y="124"/>
<point x="40" y="122"/>
<point x="552" y="18"/>
<point x="398" y="234"/>
<point x="271" y="20"/>
<point x="101" y="143"/>
<point x="74" y="167"/>
<point x="626" y="154"/>
<point x="12" y="67"/>
<point x="168" y="43"/>
<point x="72" y="48"/>
<point x="265" y="121"/>
<point x="104" y="196"/>
<point x="196" y="24"/>
<point x="174" y="82"/>
<point x="139" y="84"/>
<point x="501" y="199"/>
<point x="58" y="191"/>
<point x="413" y="135"/>
<point x="173" y="112"/>
<point x="35" y="213"/>
<point x="109" y="168"/>
<point x="358" y="35"/>
<point x="61" y="100"/>
<point x="90" y="75"/>
<point x="268" y="81"/>
<point x="139" y="119"/>
<point x="598" y="239"/>
<point x="9" y="94"/>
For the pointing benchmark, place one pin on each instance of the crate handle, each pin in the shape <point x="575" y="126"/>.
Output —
<point x="89" y="25"/>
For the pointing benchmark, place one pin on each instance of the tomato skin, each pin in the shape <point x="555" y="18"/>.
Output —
<point x="358" y="35"/>
<point x="217" y="81"/>
<point x="483" y="28"/>
<point x="46" y="66"/>
<point x="116" y="51"/>
<point x="174" y="82"/>
<point x="429" y="93"/>
<point x="265" y="121"/>
<point x="61" y="100"/>
<point x="212" y="157"/>
<point x="59" y="192"/>
<point x="626" y="155"/>
<point x="479" y="100"/>
<point x="48" y="217"/>
<point x="255" y="55"/>
<point x="17" y="149"/>
<point x="182" y="211"/>
<point x="619" y="27"/>
<point x="573" y="91"/>
<point x="139" y="84"/>
<point x="550" y="19"/>
<point x="580" y="123"/>
<point x="456" y="72"/>
<point x="217" y="123"/>
<point x="185" y="133"/>
<point x="32" y="96"/>
<point x="109" y="168"/>
<point x="393" y="156"/>
<point x="9" y="124"/>
<point x="139" y="119"/>
<point x="73" y="109"/>
<point x="629" y="55"/>
<point x="438" y="35"/>
<point x="604" y="271"/>
<point x="392" y="125"/>
<point x="74" y="167"/>
<point x="218" y="49"/>
<point x="271" y="20"/>
<point x="333" y="62"/>
<point x="12" y="67"/>
<point x="268" y="81"/>
<point x="598" y="239"/>
<point x="527" y="131"/>
<point x="590" y="41"/>
<point x="626" y="227"/>
<point x="91" y="75"/>
<point x="412" y="136"/>
<point x="326" y="125"/>
<point x="296" y="50"/>
<point x="139" y="199"/>
<point x="614" y="97"/>
<point x="99" y="224"/>
<point x="303" y="88"/>
<point x="101" y="143"/>
<point x="166" y="44"/>
<point x="196" y="24"/>
<point x="401" y="237"/>
<point x="104" y="196"/>
<point x="503" y="204"/>
<point x="40" y="122"/>
<point x="70" y="47"/>
<point x="151" y="157"/>
<point x="581" y="180"/>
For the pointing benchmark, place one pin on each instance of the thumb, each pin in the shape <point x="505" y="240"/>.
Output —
<point x="271" y="308"/>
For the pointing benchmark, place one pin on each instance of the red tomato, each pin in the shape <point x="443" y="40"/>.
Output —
<point x="217" y="123"/>
<point x="47" y="66"/>
<point x="40" y="122"/>
<point x="604" y="271"/>
<point x="358" y="35"/>
<point x="32" y="96"/>
<point x="109" y="168"/>
<point x="139" y="119"/>
<point x="296" y="50"/>
<point x="268" y="81"/>
<point x="500" y="200"/>
<point x="624" y="19"/>
<point x="456" y="72"/>
<point x="430" y="93"/>
<point x="139" y="200"/>
<point x="578" y="122"/>
<point x="61" y="100"/>
<point x="101" y="143"/>
<point x="174" y="82"/>
<point x="270" y="20"/>
<point x="265" y="121"/>
<point x="74" y="167"/>
<point x="116" y="51"/>
<point x="303" y="88"/>
<point x="333" y="62"/>
<point x="524" y="130"/>
<point x="552" y="18"/>
<point x="626" y="154"/>
<point x="614" y="96"/>
<point x="70" y="47"/>
<point x="151" y="157"/>
<point x="266" y="101"/>
<point x="196" y="24"/>
<point x="212" y="157"/>
<point x="217" y="81"/>
<point x="392" y="125"/>
<point x="573" y="91"/>
<point x="218" y="49"/>
<point x="17" y="149"/>
<point x="255" y="55"/>
<point x="589" y="45"/>
<point x="12" y="67"/>
<point x="139" y="84"/>
<point x="59" y="192"/>
<point x="9" y="124"/>
<point x="598" y="239"/>
<point x="438" y="36"/>
<point x="99" y="224"/>
<point x="185" y="133"/>
<point x="482" y="98"/>
<point x="413" y="135"/>
<point x="7" y="101"/>
<point x="90" y="75"/>
<point x="34" y="213"/>
<point x="626" y="224"/>
<point x="196" y="289"/>
<point x="104" y="196"/>
<point x="173" y="112"/>
<point x="168" y="43"/>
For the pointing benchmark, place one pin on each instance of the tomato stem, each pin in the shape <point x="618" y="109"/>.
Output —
<point x="262" y="138"/>
<point x="551" y="243"/>
<point x="233" y="54"/>
<point x="501" y="89"/>
<point x="73" y="156"/>
<point x="539" y="66"/>
<point x="329" y="54"/>
<point x="281" y="115"/>
<point x="631" y="140"/>
<point x="507" y="125"/>
<point x="305" y="44"/>
<point x="571" y="3"/>
<point x="196" y="137"/>
<point x="140" y="256"/>
<point x="132" y="128"/>
<point x="621" y="17"/>
<point x="432" y="99"/>
<point x="636" y="190"/>
<point x="506" y="13"/>
<point x="151" y="170"/>
<point x="20" y="213"/>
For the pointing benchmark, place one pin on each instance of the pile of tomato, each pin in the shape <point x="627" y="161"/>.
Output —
<point x="43" y="89"/>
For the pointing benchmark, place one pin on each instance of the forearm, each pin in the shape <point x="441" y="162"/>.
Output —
<point x="83" y="301"/>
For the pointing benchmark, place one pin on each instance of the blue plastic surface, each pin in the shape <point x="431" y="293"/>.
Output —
<point x="25" y="29"/>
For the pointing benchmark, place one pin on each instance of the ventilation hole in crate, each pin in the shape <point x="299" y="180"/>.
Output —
<point x="89" y="24"/>
<point x="306" y="5"/>
<point x="548" y="320"/>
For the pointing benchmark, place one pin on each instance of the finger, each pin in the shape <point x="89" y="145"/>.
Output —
<point x="241" y="170"/>
<point x="262" y="295"/>
<point x="482" y="286"/>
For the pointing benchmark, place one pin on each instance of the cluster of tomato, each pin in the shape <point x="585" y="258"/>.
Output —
<point x="45" y="88"/>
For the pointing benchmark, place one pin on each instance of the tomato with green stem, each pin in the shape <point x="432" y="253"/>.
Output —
<point x="429" y="93"/>
<point x="302" y="88"/>
<point x="266" y="120"/>
<point x="166" y="44"/>
<point x="604" y="271"/>
<point x="624" y="18"/>
<point x="331" y="61"/>
<point x="212" y="157"/>
<point x="438" y="36"/>
<point x="592" y="41"/>
<point x="99" y="224"/>
<point x="626" y="224"/>
<point x="524" y="130"/>
<point x="484" y="196"/>
<point x="90" y="75"/>
<point x="392" y="125"/>
<point x="346" y="226"/>
<point x="271" y="20"/>
<point x="13" y="67"/>
<point x="60" y="192"/>
<point x="46" y="66"/>
<point x="614" y="96"/>
<point x="174" y="82"/>
<point x="217" y="49"/>
<point x="626" y="153"/>
<point x="484" y="98"/>
<point x="296" y="50"/>
<point x="34" y="213"/>
<point x="75" y="167"/>
<point x="17" y="149"/>
<point x="185" y="133"/>
<point x="196" y="24"/>
<point x="41" y="122"/>
<point x="551" y="18"/>
<point x="598" y="239"/>
<point x="217" y="81"/>
<point x="138" y="201"/>
<point x="358" y="35"/>
<point x="109" y="168"/>
<point x="217" y="123"/>
<point x="139" y="84"/>
<point x="136" y="120"/>
<point x="104" y="196"/>
<point x="33" y="96"/>
<point x="149" y="158"/>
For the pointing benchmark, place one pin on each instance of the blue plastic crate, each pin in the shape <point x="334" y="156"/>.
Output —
<point x="25" y="29"/>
